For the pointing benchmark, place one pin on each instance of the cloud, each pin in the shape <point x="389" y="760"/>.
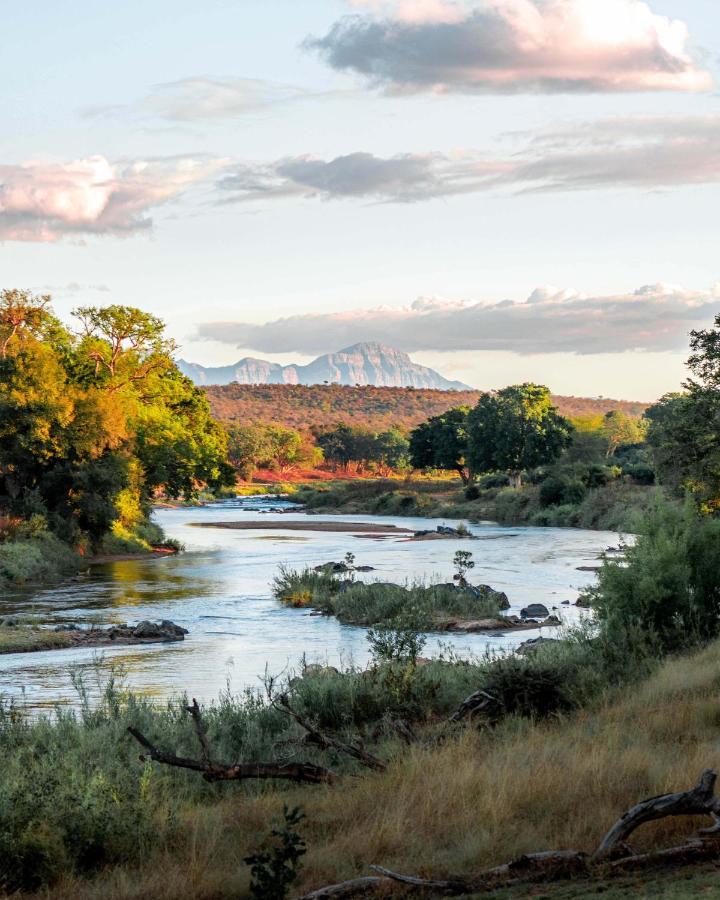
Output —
<point x="404" y="178"/>
<point x="45" y="202"/>
<point x="513" y="46"/>
<point x="641" y="152"/>
<point x="204" y="99"/>
<point x="653" y="318"/>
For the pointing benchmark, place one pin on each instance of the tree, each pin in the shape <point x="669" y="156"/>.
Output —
<point x="620" y="429"/>
<point x="125" y="343"/>
<point x="248" y="447"/>
<point x="441" y="443"/>
<point x="515" y="429"/>
<point x="93" y="424"/>
<point x="390" y="451"/>
<point x="684" y="428"/>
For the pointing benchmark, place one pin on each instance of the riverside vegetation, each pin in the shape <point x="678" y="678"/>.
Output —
<point x="484" y="759"/>
<point x="93" y="422"/>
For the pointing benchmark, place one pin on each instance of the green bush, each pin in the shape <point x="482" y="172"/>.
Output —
<point x="40" y="557"/>
<point x="497" y="480"/>
<point x="472" y="492"/>
<point x="560" y="490"/>
<point x="667" y="587"/>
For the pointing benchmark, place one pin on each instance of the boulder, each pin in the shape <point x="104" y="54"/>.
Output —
<point x="582" y="602"/>
<point x="70" y="627"/>
<point x="315" y="670"/>
<point x="332" y="567"/>
<point x="534" y="610"/>
<point x="158" y="630"/>
<point x="499" y="597"/>
<point x="551" y="620"/>
<point x="364" y="568"/>
<point x="533" y="644"/>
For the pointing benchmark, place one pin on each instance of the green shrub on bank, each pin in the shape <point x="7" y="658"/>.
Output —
<point x="41" y="557"/>
<point x="668" y="584"/>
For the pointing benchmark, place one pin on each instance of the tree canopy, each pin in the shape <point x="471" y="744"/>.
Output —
<point x="515" y="429"/>
<point x="93" y="422"/>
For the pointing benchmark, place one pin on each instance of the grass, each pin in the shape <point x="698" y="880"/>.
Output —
<point x="614" y="507"/>
<point x="427" y="606"/>
<point x="455" y="807"/>
<point x="23" y="638"/>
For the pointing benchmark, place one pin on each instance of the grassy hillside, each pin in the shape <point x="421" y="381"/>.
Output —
<point x="451" y="808"/>
<point x="377" y="408"/>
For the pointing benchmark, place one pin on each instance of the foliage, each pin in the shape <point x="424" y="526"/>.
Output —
<point x="382" y="451"/>
<point x="377" y="409"/>
<point x="93" y="424"/>
<point x="442" y="443"/>
<point x="275" y="869"/>
<point x="559" y="490"/>
<point x="668" y="584"/>
<point x="514" y="429"/>
<point x="463" y="562"/>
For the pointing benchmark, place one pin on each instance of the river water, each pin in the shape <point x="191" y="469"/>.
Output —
<point x="220" y="590"/>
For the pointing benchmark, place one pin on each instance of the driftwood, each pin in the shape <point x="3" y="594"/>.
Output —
<point x="215" y="771"/>
<point x="327" y="741"/>
<point x="555" y="865"/>
<point x="698" y="801"/>
<point x="479" y="702"/>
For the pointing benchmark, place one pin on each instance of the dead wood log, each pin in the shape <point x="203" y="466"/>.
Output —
<point x="694" y="850"/>
<point x="327" y="741"/>
<point x="698" y="801"/>
<point x="451" y="887"/>
<point x="215" y="771"/>
<point x="352" y="888"/>
<point x="479" y="702"/>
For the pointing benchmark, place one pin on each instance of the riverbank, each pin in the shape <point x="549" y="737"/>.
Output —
<point x="617" y="506"/>
<point x="444" y="808"/>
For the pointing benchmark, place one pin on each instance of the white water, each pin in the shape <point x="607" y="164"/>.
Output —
<point x="220" y="591"/>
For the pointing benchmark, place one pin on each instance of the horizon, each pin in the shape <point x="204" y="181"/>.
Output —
<point x="271" y="182"/>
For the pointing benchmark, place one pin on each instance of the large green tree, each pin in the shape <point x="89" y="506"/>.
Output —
<point x="515" y="429"/>
<point x="442" y="443"/>
<point x="95" y="420"/>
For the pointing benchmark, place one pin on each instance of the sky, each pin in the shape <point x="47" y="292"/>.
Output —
<point x="509" y="190"/>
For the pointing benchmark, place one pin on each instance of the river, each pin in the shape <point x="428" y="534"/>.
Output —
<point x="220" y="590"/>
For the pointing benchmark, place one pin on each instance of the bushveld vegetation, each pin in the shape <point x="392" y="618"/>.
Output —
<point x="322" y="407"/>
<point x="93" y="421"/>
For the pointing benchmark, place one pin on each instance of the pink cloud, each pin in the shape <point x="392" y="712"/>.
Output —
<point x="45" y="202"/>
<point x="514" y="46"/>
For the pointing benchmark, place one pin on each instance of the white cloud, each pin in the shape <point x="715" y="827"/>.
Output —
<point x="652" y="318"/>
<point x="513" y="46"/>
<point x="41" y="201"/>
<point x="203" y="98"/>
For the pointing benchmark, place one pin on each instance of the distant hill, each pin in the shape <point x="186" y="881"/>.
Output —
<point x="362" y="364"/>
<point x="321" y="406"/>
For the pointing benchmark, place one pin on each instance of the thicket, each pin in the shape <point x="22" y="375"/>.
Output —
<point x="93" y="422"/>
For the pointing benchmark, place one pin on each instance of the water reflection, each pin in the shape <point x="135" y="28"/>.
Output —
<point x="220" y="590"/>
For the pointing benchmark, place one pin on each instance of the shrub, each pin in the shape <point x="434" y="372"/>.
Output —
<point x="496" y="480"/>
<point x="40" y="557"/>
<point x="668" y="585"/>
<point x="642" y="473"/>
<point x="472" y="492"/>
<point x="559" y="490"/>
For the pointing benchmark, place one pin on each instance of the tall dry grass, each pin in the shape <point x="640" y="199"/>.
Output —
<point x="477" y="801"/>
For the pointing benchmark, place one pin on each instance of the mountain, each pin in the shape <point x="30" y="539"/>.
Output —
<point x="362" y="364"/>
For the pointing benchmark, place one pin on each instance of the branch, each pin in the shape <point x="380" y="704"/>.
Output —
<point x="476" y="703"/>
<point x="698" y="801"/>
<point x="327" y="741"/>
<point x="356" y="886"/>
<point x="213" y="771"/>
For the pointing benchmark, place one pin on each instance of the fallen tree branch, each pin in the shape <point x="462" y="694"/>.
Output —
<point x="327" y="741"/>
<point x="351" y="888"/>
<point x="555" y="865"/>
<point x="479" y="702"/>
<point x="214" y="771"/>
<point x="698" y="801"/>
